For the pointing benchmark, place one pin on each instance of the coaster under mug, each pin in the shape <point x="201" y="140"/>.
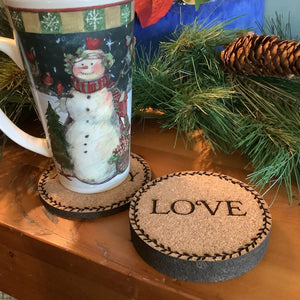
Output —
<point x="63" y="202"/>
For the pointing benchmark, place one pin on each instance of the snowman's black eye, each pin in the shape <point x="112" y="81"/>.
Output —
<point x="92" y="64"/>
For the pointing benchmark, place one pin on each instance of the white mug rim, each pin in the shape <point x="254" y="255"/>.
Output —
<point x="57" y="4"/>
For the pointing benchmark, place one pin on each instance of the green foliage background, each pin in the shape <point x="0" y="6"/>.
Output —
<point x="15" y="95"/>
<point x="258" y="116"/>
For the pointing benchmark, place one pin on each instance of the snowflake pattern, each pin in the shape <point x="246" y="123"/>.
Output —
<point x="50" y="22"/>
<point x="125" y="13"/>
<point x="94" y="19"/>
<point x="17" y="20"/>
<point x="109" y="43"/>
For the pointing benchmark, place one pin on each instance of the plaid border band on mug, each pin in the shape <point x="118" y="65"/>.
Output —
<point x="87" y="20"/>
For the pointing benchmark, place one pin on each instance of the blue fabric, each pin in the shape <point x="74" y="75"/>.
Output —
<point x="250" y="13"/>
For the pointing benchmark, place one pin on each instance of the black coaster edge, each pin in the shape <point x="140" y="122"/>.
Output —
<point x="199" y="271"/>
<point x="83" y="215"/>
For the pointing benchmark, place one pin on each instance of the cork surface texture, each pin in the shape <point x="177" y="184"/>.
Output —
<point x="66" y="203"/>
<point x="212" y="220"/>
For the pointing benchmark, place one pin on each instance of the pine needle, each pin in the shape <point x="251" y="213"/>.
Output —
<point x="279" y="26"/>
<point x="270" y="135"/>
<point x="5" y="29"/>
<point x="260" y="116"/>
<point x="185" y="82"/>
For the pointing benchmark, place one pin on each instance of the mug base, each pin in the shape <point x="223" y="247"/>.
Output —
<point x="78" y="186"/>
<point x="66" y="203"/>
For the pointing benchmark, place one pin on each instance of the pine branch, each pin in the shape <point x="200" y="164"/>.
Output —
<point x="260" y="116"/>
<point x="273" y="163"/>
<point x="5" y="29"/>
<point x="185" y="82"/>
<point x="11" y="76"/>
<point x="195" y="45"/>
<point x="269" y="129"/>
<point x="153" y="85"/>
<point x="15" y="95"/>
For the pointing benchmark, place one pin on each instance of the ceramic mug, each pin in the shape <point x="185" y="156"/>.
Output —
<point x="77" y="54"/>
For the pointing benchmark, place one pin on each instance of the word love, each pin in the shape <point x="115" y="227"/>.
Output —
<point x="186" y="207"/>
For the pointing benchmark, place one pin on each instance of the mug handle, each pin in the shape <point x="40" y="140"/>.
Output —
<point x="38" y="145"/>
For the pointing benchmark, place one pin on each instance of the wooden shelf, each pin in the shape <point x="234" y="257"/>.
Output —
<point x="43" y="256"/>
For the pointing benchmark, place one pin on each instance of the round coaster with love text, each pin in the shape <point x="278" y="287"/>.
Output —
<point x="63" y="202"/>
<point x="200" y="226"/>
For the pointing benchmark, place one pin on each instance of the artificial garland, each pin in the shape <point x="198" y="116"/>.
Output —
<point x="257" y="115"/>
<point x="188" y="83"/>
<point x="15" y="94"/>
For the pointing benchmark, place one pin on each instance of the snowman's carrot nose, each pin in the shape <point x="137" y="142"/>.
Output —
<point x="84" y="68"/>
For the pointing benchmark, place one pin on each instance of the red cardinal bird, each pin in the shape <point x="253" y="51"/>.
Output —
<point x="48" y="79"/>
<point x="59" y="88"/>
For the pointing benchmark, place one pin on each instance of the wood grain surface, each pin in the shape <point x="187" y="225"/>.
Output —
<point x="43" y="256"/>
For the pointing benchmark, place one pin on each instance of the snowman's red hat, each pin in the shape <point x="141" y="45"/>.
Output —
<point x="92" y="44"/>
<point x="92" y="50"/>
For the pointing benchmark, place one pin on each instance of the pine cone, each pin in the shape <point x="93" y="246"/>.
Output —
<point x="264" y="55"/>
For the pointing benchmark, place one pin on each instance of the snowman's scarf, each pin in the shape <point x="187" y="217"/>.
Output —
<point x="88" y="87"/>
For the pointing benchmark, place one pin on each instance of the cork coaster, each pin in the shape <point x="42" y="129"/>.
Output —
<point x="61" y="201"/>
<point x="199" y="226"/>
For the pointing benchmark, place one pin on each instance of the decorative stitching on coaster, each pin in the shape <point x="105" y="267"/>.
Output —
<point x="262" y="233"/>
<point x="69" y="208"/>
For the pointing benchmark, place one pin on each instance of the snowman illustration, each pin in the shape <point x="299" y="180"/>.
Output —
<point x="92" y="128"/>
